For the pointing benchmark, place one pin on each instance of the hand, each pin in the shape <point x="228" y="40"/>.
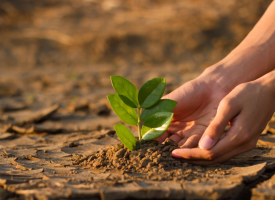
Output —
<point x="248" y="108"/>
<point x="198" y="101"/>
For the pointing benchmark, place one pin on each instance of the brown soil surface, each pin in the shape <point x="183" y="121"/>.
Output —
<point x="191" y="34"/>
<point x="265" y="190"/>
<point x="153" y="161"/>
<point x="56" y="126"/>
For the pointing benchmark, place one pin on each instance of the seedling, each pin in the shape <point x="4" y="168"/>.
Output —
<point x="128" y="104"/>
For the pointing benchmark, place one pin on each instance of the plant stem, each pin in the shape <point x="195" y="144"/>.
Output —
<point x="139" y="128"/>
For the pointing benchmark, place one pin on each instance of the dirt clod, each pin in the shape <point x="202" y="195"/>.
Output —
<point x="120" y="153"/>
<point x="144" y="162"/>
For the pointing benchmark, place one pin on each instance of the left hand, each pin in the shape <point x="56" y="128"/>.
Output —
<point x="248" y="108"/>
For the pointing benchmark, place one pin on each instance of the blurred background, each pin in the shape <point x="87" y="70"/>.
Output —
<point x="63" y="51"/>
<point x="192" y="34"/>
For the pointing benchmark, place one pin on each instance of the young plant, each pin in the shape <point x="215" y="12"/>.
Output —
<point x="128" y="104"/>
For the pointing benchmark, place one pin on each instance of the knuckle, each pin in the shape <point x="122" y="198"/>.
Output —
<point x="185" y="134"/>
<point x="227" y="102"/>
<point x="246" y="86"/>
<point x="243" y="85"/>
<point x="216" y="128"/>
<point x="244" y="138"/>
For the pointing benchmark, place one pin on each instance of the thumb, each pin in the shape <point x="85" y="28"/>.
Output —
<point x="226" y="111"/>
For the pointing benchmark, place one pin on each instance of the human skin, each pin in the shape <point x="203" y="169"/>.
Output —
<point x="239" y="89"/>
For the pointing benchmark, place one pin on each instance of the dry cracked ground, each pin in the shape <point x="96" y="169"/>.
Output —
<point x="57" y="141"/>
<point x="56" y="126"/>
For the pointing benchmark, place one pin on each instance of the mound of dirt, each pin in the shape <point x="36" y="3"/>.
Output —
<point x="153" y="161"/>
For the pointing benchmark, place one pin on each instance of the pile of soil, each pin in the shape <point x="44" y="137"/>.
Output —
<point x="153" y="161"/>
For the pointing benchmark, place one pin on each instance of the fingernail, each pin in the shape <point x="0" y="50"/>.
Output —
<point x="176" y="155"/>
<point x="206" y="143"/>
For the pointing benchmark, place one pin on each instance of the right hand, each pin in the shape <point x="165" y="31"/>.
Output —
<point x="198" y="101"/>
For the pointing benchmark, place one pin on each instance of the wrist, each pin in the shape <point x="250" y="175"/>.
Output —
<point x="223" y="75"/>
<point x="268" y="81"/>
<point x="240" y="66"/>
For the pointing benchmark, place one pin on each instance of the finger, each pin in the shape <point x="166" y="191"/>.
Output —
<point x="176" y="138"/>
<point x="192" y="141"/>
<point x="182" y="142"/>
<point x="190" y="131"/>
<point x="230" y="141"/>
<point x="175" y="126"/>
<point x="188" y="97"/>
<point x="226" y="111"/>
<point x="181" y="136"/>
<point x="223" y="158"/>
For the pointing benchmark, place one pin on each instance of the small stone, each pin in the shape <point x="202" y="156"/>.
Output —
<point x="141" y="155"/>
<point x="103" y="110"/>
<point x="126" y="155"/>
<point x="73" y="144"/>
<point x="118" y="147"/>
<point x="171" y="142"/>
<point x="109" y="153"/>
<point x="102" y="153"/>
<point x="188" y="171"/>
<point x="120" y="153"/>
<point x="160" y="178"/>
<point x="115" y="163"/>
<point x="157" y="160"/>
<point x="144" y="162"/>
<point x="166" y="148"/>
<point x="97" y="163"/>
<point x="85" y="162"/>
<point x="155" y="154"/>
<point x="133" y="156"/>
<point x="111" y="133"/>
<point x="179" y="172"/>
<point x="155" y="170"/>
<point x="91" y="158"/>
<point x="150" y="165"/>
<point x="150" y="150"/>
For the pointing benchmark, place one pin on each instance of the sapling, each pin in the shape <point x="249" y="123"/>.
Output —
<point x="133" y="106"/>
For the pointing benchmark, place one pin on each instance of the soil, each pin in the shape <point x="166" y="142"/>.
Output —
<point x="153" y="161"/>
<point x="265" y="190"/>
<point x="56" y="126"/>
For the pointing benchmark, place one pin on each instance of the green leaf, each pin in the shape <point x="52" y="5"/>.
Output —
<point x="155" y="125"/>
<point x="126" y="90"/>
<point x="124" y="112"/>
<point x="126" y="136"/>
<point x="164" y="105"/>
<point x="150" y="92"/>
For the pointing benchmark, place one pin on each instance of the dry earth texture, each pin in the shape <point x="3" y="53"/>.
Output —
<point x="193" y="33"/>
<point x="56" y="126"/>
